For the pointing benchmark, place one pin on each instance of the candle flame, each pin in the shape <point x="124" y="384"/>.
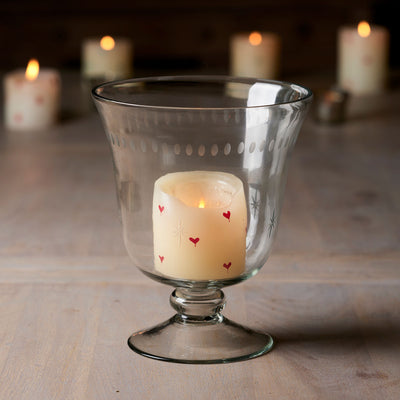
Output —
<point x="364" y="30"/>
<point x="32" y="70"/>
<point x="255" y="38"/>
<point x="107" y="43"/>
<point x="202" y="203"/>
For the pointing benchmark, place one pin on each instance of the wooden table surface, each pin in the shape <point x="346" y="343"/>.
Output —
<point x="329" y="294"/>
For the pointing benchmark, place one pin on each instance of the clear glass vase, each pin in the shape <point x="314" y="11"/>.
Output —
<point x="200" y="166"/>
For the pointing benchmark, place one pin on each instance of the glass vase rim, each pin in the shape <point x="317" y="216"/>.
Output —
<point x="307" y="94"/>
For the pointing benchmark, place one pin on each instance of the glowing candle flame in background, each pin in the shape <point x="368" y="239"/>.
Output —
<point x="202" y="203"/>
<point x="107" y="43"/>
<point x="364" y="29"/>
<point x="32" y="70"/>
<point x="255" y="38"/>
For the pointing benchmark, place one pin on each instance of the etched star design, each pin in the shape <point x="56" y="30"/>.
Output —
<point x="255" y="204"/>
<point x="271" y="225"/>
<point x="179" y="232"/>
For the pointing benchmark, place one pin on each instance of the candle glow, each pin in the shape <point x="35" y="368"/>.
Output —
<point x="32" y="70"/>
<point x="255" y="38"/>
<point x="107" y="43"/>
<point x="363" y="29"/>
<point x="202" y="203"/>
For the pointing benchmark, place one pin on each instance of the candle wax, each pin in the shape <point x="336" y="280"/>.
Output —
<point x="363" y="61"/>
<point x="199" y="225"/>
<point x="31" y="104"/>
<point x="258" y="60"/>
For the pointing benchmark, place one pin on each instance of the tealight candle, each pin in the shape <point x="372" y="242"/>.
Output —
<point x="31" y="98"/>
<point x="255" y="55"/>
<point x="331" y="106"/>
<point x="107" y="58"/>
<point x="363" y="58"/>
<point x="199" y="225"/>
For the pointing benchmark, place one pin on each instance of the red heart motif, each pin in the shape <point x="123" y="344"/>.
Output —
<point x="18" y="117"/>
<point x="195" y="241"/>
<point x="367" y="60"/>
<point x="227" y="266"/>
<point x="161" y="208"/>
<point x="161" y="258"/>
<point x="227" y="215"/>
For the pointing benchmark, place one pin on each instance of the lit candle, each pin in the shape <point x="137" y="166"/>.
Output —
<point x="199" y="225"/>
<point x="331" y="106"/>
<point x="255" y="55"/>
<point x="107" y="58"/>
<point x="363" y="58"/>
<point x="31" y="98"/>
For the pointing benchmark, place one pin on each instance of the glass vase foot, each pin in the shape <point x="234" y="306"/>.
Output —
<point x="191" y="337"/>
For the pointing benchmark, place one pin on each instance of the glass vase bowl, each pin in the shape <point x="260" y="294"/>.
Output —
<point x="200" y="166"/>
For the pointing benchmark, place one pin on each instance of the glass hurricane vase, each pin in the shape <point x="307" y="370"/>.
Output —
<point x="200" y="166"/>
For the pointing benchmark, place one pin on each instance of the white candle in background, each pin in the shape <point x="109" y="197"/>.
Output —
<point x="199" y="225"/>
<point x="256" y="55"/>
<point x="363" y="58"/>
<point x="31" y="98"/>
<point x="107" y="58"/>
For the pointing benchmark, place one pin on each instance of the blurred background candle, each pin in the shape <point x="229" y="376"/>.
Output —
<point x="31" y="98"/>
<point x="255" y="54"/>
<point x="363" y="58"/>
<point x="331" y="106"/>
<point x="199" y="225"/>
<point x="107" y="58"/>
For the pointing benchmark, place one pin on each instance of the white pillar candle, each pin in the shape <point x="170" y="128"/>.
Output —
<point x="31" y="98"/>
<point x="107" y="58"/>
<point x="255" y="55"/>
<point x="363" y="58"/>
<point x="199" y="225"/>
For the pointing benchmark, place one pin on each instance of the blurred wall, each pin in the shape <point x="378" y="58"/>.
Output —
<point x="183" y="35"/>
